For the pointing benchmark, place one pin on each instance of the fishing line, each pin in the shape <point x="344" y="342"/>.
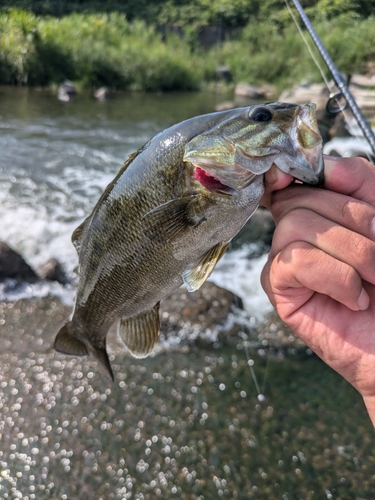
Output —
<point x="250" y="362"/>
<point x="313" y="57"/>
<point x="339" y="81"/>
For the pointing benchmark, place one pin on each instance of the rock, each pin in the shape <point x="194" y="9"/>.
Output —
<point x="258" y="229"/>
<point x="66" y="91"/>
<point x="245" y="90"/>
<point x="360" y="86"/>
<point x="224" y="106"/>
<point x="224" y="73"/>
<point x="301" y="94"/>
<point x="362" y="81"/>
<point x="101" y="94"/>
<point x="52" y="271"/>
<point x="12" y="265"/>
<point x="273" y="332"/>
<point x="202" y="315"/>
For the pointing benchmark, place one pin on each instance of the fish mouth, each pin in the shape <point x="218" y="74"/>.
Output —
<point x="211" y="182"/>
<point x="308" y="142"/>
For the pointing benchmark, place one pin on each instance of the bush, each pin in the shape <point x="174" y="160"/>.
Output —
<point x="101" y="49"/>
<point x="266" y="53"/>
<point x="106" y="49"/>
<point x="18" y="32"/>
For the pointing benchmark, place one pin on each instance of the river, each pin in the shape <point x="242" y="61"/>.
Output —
<point x="185" y="425"/>
<point x="56" y="159"/>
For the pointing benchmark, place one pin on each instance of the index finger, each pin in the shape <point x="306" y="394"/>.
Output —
<point x="351" y="176"/>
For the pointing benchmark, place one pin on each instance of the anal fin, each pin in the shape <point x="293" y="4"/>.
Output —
<point x="195" y="276"/>
<point x="140" y="333"/>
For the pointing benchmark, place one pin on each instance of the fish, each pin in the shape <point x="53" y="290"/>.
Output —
<point x="170" y="213"/>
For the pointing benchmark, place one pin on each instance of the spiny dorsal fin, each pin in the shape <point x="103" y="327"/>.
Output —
<point x="67" y="344"/>
<point x="172" y="217"/>
<point x="195" y="277"/>
<point x="78" y="234"/>
<point x="140" y="333"/>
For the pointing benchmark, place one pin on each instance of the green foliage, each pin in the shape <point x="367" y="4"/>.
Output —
<point x="219" y="12"/>
<point x="96" y="49"/>
<point x="107" y="49"/>
<point x="268" y="53"/>
<point x="18" y="32"/>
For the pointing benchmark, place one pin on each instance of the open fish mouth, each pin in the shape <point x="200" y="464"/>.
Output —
<point x="210" y="182"/>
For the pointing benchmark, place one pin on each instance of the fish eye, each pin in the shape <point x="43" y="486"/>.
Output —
<point x="260" y="114"/>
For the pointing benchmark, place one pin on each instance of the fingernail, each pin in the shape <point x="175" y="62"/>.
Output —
<point x="330" y="162"/>
<point x="363" y="300"/>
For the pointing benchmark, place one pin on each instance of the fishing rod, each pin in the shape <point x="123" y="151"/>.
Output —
<point x="338" y="79"/>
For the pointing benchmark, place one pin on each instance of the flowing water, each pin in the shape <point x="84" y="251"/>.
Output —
<point x="57" y="157"/>
<point x="185" y="425"/>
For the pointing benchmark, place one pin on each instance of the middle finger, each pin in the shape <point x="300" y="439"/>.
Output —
<point x="306" y="225"/>
<point x="346" y="211"/>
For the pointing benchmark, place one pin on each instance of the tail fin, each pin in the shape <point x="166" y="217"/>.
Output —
<point x="66" y="343"/>
<point x="100" y="354"/>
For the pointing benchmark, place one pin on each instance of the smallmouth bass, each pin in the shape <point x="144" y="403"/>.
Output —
<point x="170" y="214"/>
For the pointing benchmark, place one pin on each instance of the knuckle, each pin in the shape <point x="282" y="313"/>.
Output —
<point x="346" y="209"/>
<point x="350" y="279"/>
<point x="364" y="251"/>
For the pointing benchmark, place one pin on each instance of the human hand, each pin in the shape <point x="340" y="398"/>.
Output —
<point x="320" y="274"/>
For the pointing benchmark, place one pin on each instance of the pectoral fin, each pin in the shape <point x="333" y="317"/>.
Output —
<point x="196" y="276"/>
<point x="140" y="333"/>
<point x="173" y="218"/>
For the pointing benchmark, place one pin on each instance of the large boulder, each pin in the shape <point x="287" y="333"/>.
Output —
<point x="52" y="271"/>
<point x="259" y="230"/>
<point x="247" y="91"/>
<point x="13" y="265"/>
<point x="203" y="316"/>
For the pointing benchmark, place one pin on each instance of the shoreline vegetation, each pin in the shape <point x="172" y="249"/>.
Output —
<point x="120" y="51"/>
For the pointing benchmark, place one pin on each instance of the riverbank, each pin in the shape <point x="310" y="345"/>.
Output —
<point x="96" y="50"/>
<point x="184" y="423"/>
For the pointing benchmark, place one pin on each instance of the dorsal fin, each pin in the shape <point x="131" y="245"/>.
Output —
<point x="140" y="333"/>
<point x="78" y="234"/>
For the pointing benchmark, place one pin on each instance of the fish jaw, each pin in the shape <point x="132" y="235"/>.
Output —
<point x="307" y="165"/>
<point x="290" y="140"/>
<point x="222" y="178"/>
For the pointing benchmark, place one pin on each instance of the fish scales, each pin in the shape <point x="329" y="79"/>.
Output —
<point x="170" y="213"/>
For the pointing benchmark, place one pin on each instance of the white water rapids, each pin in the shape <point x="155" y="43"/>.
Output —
<point x="56" y="159"/>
